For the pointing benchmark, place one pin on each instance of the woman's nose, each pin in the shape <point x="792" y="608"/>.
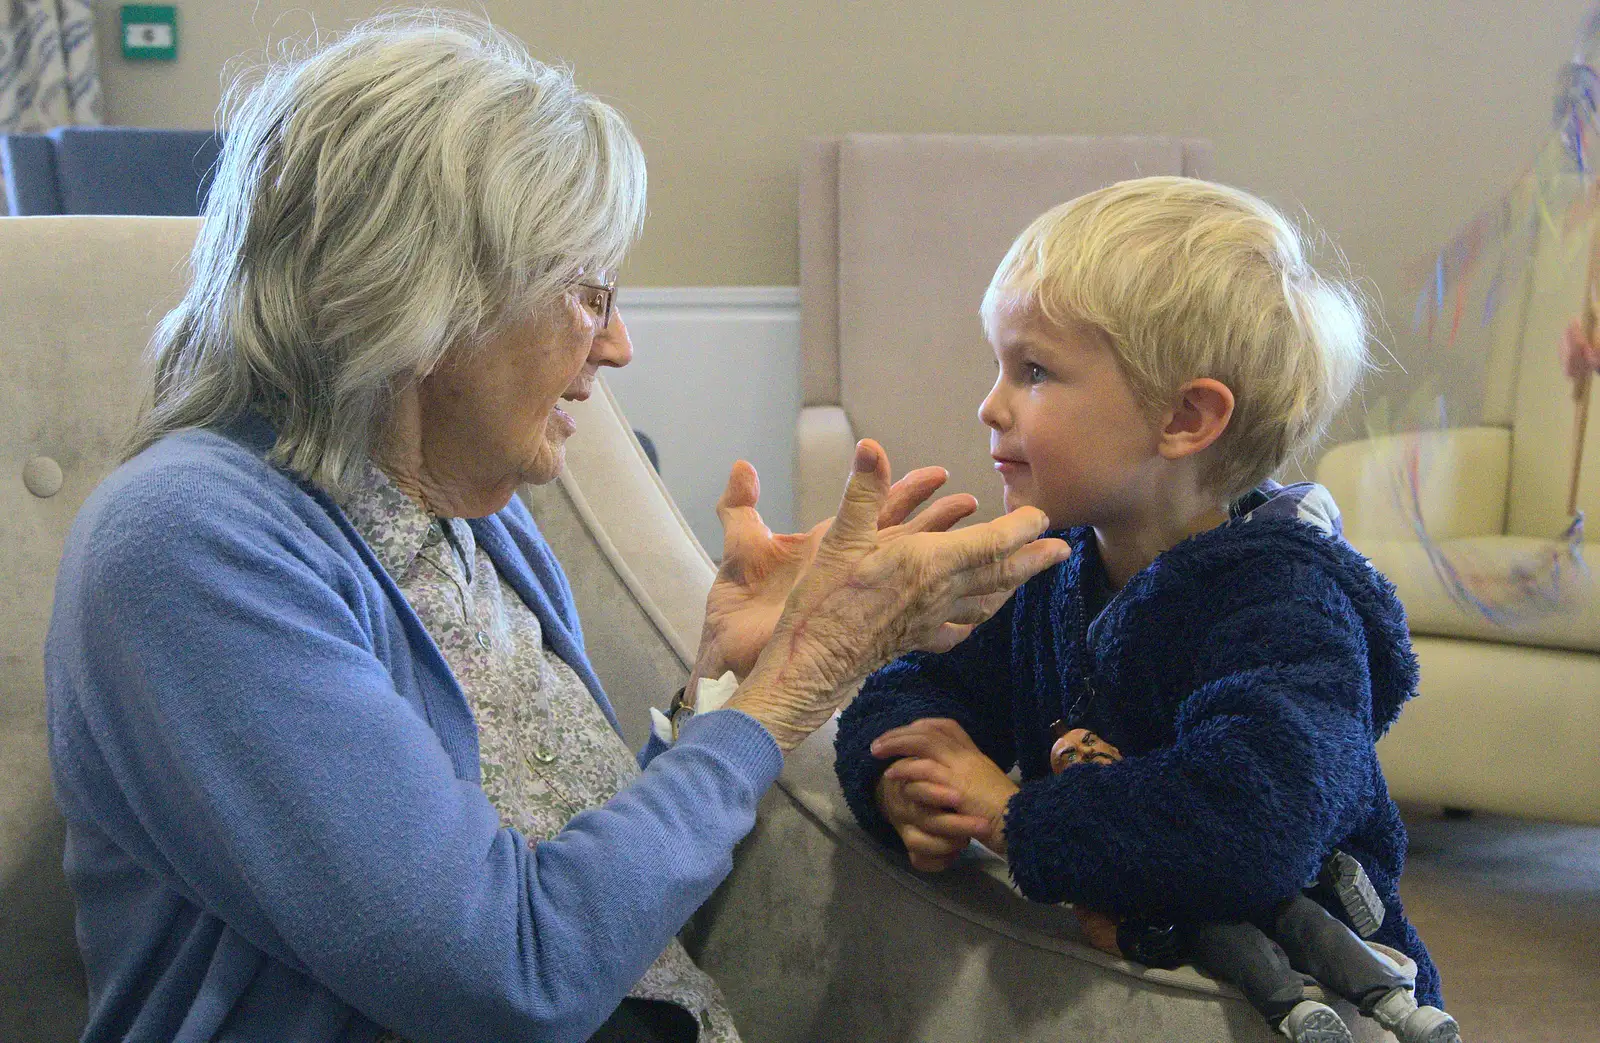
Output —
<point x="612" y="347"/>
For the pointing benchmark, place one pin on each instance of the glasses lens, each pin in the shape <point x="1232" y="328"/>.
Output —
<point x="599" y="293"/>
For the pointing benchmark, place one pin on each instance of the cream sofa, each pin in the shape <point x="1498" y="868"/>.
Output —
<point x="899" y="234"/>
<point x="1508" y="718"/>
<point x="820" y="934"/>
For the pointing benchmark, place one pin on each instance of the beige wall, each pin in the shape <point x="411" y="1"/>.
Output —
<point x="1389" y="121"/>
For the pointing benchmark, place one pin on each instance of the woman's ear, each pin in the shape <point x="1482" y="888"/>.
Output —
<point x="1201" y="415"/>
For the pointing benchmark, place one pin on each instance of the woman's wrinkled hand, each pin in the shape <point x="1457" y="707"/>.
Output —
<point x="871" y="595"/>
<point x="759" y="567"/>
<point x="936" y="761"/>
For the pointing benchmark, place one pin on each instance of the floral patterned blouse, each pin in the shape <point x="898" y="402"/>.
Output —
<point x="546" y="750"/>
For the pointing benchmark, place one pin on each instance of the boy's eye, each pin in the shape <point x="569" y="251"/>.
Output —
<point x="1034" y="373"/>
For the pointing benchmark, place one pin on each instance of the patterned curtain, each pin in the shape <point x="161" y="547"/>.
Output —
<point x="49" y="75"/>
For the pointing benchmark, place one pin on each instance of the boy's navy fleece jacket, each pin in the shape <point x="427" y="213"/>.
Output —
<point x="1245" y="675"/>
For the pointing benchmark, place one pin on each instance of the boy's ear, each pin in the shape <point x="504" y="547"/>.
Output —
<point x="1204" y="408"/>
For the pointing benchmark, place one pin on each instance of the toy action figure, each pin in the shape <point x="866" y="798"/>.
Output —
<point x="1265" y="960"/>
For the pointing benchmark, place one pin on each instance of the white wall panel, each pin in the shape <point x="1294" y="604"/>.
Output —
<point x="715" y="378"/>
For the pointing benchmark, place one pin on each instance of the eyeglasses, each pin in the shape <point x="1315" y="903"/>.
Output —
<point x="599" y="298"/>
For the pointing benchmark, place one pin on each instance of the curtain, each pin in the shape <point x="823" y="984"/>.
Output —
<point x="49" y="75"/>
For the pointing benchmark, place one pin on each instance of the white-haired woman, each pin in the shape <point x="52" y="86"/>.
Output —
<point x="333" y="761"/>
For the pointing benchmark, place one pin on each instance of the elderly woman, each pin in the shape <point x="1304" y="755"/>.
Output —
<point x="333" y="761"/>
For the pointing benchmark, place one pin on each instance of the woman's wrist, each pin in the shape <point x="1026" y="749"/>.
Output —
<point x="707" y="666"/>
<point x="787" y="706"/>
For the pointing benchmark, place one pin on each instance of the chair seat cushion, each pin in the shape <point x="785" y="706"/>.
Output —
<point x="1544" y="596"/>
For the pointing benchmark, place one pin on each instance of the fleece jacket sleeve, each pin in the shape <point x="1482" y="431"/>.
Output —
<point x="1273" y="762"/>
<point x="970" y="684"/>
<point x="258" y="758"/>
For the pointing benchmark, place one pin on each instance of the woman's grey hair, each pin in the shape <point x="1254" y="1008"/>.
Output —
<point x="380" y="202"/>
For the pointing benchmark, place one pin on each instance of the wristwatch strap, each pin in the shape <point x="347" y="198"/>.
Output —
<point x="679" y="711"/>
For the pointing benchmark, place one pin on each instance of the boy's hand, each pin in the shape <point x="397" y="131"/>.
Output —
<point x="920" y="812"/>
<point x="937" y="756"/>
<point x="1100" y="930"/>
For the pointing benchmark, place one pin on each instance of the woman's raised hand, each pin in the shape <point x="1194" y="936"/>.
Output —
<point x="871" y="595"/>
<point x="760" y="567"/>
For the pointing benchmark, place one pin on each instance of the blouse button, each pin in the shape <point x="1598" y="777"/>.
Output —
<point x="483" y="641"/>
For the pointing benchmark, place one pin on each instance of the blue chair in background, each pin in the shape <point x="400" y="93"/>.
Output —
<point x="122" y="170"/>
<point x="108" y="170"/>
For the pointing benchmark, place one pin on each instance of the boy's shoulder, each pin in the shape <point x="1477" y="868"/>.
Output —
<point x="1244" y="564"/>
<point x="1262" y="562"/>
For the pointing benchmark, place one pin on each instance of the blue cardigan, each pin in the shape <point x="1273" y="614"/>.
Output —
<point x="1245" y="676"/>
<point x="275" y="829"/>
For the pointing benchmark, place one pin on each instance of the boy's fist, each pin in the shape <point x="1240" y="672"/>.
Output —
<point x="921" y="814"/>
<point x="937" y="756"/>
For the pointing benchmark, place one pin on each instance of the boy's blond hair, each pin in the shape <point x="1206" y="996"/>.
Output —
<point x="1190" y="279"/>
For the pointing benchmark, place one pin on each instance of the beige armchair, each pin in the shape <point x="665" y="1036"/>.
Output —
<point x="899" y="234"/>
<point x="1508" y="718"/>
<point x="819" y="934"/>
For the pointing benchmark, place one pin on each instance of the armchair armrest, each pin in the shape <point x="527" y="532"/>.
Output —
<point x="825" y="448"/>
<point x="1463" y="475"/>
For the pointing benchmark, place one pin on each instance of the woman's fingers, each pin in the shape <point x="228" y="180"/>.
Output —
<point x="743" y="489"/>
<point x="943" y="513"/>
<point x="1012" y="571"/>
<point x="993" y="541"/>
<point x="909" y="493"/>
<point x="948" y="636"/>
<point x="1579" y="357"/>
<point x="970" y="611"/>
<point x="864" y="497"/>
<point x="742" y="528"/>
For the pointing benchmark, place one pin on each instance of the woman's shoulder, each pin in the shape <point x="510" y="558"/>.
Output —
<point x="190" y="489"/>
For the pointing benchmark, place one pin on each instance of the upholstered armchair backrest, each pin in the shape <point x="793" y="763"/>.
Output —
<point x="1541" y="396"/>
<point x="79" y="298"/>
<point x="899" y="235"/>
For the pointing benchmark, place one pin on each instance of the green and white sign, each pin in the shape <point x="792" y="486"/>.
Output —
<point x="149" y="32"/>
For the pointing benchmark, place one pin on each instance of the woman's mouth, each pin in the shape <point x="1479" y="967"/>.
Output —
<point x="1009" y="466"/>
<point x="563" y="421"/>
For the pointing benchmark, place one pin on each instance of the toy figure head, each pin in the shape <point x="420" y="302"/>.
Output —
<point x="1081" y="746"/>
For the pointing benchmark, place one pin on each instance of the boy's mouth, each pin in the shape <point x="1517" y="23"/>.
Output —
<point x="1008" y="464"/>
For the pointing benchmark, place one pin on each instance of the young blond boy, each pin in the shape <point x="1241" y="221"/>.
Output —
<point x="1164" y="347"/>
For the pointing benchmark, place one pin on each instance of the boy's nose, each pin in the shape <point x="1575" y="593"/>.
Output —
<point x="993" y="412"/>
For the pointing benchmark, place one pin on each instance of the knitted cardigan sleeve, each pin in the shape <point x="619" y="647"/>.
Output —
<point x="1273" y="763"/>
<point x="970" y="684"/>
<point x="253" y="752"/>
